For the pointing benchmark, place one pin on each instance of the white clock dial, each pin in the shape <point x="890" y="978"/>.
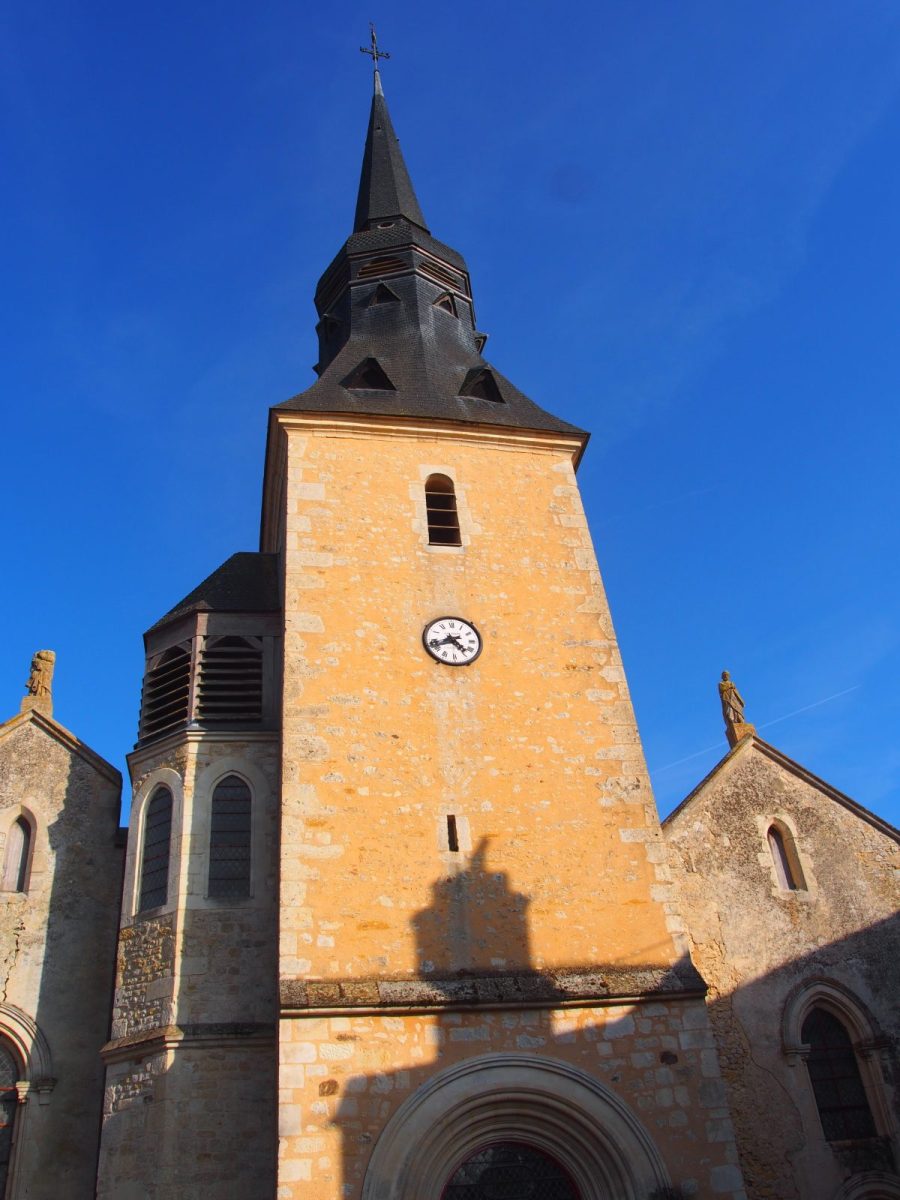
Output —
<point x="452" y="640"/>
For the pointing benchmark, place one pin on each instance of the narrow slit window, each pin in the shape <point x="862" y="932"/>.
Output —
<point x="452" y="835"/>
<point x="155" y="859"/>
<point x="18" y="854"/>
<point x="229" y="840"/>
<point x="784" y="857"/>
<point x="440" y="503"/>
<point x="836" y="1081"/>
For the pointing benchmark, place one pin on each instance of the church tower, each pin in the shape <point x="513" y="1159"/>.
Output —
<point x="482" y="975"/>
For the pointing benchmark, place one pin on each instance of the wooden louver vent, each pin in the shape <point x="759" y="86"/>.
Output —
<point x="440" y="506"/>
<point x="439" y="272"/>
<point x="381" y="266"/>
<point x="166" y="692"/>
<point x="230" y="681"/>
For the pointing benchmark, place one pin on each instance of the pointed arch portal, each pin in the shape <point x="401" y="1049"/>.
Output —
<point x="586" y="1139"/>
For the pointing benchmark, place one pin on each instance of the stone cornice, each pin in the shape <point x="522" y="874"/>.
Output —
<point x="588" y="987"/>
<point x="206" y="1036"/>
<point x="498" y="436"/>
<point x="193" y="737"/>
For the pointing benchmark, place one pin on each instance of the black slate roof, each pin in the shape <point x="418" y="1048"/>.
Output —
<point x="246" y="582"/>
<point x="385" y="188"/>
<point x="423" y="358"/>
<point x="427" y="378"/>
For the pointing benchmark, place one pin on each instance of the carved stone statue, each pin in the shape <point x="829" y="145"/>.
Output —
<point x="733" y="710"/>
<point x="38" y="689"/>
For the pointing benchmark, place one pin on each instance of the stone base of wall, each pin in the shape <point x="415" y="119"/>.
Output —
<point x="194" y="1120"/>
<point x="343" y="1081"/>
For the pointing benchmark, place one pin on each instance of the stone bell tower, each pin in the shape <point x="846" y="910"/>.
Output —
<point x="481" y="969"/>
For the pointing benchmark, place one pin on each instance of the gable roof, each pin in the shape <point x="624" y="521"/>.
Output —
<point x="65" y="737"/>
<point x="752" y="743"/>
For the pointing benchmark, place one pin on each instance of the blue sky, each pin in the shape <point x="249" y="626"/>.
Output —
<point x="681" y="222"/>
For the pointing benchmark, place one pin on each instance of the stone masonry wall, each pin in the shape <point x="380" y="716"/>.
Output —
<point x="758" y="945"/>
<point x="560" y="872"/>
<point x="191" y="1066"/>
<point x="57" y="949"/>
<point x="342" y="1078"/>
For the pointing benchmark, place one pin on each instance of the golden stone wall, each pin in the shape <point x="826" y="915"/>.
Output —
<point x="559" y="887"/>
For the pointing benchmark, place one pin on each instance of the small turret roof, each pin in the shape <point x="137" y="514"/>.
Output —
<point x="246" y="582"/>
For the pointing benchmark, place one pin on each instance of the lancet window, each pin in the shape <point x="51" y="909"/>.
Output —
<point x="785" y="859"/>
<point x="230" y="840"/>
<point x="17" y="859"/>
<point x="157" y="843"/>
<point x="835" y="1077"/>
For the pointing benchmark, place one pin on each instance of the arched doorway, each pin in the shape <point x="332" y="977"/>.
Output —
<point x="510" y="1171"/>
<point x="495" y="1113"/>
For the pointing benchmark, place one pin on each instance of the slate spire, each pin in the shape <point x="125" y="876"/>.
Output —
<point x="385" y="188"/>
<point x="397" y="331"/>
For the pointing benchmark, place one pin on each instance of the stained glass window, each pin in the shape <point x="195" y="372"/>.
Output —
<point x="155" y="863"/>
<point x="9" y="1073"/>
<point x="836" y="1081"/>
<point x="510" y="1171"/>
<point x="229" y="840"/>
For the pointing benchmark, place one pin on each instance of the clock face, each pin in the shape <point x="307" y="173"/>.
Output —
<point x="452" y="640"/>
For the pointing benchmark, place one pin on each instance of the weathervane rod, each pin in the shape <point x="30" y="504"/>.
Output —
<point x="374" y="53"/>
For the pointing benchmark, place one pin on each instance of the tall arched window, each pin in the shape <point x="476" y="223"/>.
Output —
<point x="510" y="1171"/>
<point x="788" y="871"/>
<point x="17" y="858"/>
<point x="9" y="1073"/>
<point x="155" y="860"/>
<point x="440" y="503"/>
<point x="229" y="840"/>
<point x="836" y="1082"/>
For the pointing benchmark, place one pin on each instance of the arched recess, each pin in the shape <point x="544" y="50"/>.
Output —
<point x="21" y="836"/>
<point x="864" y="1035"/>
<point x="30" y="1044"/>
<point x="785" y="858"/>
<point x="870" y="1185"/>
<point x="543" y="1103"/>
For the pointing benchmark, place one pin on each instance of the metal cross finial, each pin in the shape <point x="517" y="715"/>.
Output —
<point x="374" y="51"/>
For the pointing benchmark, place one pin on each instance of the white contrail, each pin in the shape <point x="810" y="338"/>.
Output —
<point x="767" y="725"/>
<point x="815" y="704"/>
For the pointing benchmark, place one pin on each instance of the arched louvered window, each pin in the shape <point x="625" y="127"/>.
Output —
<point x="166" y="693"/>
<point x="230" y="686"/>
<point x="788" y="871"/>
<point x="836" y="1082"/>
<point x="229" y="840"/>
<point x="17" y="859"/>
<point x="9" y="1073"/>
<point x="157" y="841"/>
<point x="440" y="504"/>
<point x="510" y="1171"/>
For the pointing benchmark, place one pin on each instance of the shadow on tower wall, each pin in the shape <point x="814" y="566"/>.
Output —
<point x="477" y="993"/>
